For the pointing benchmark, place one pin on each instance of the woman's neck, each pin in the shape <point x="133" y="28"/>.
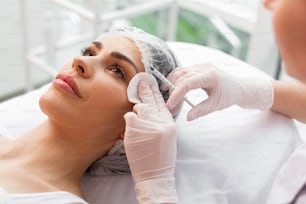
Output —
<point x="58" y="155"/>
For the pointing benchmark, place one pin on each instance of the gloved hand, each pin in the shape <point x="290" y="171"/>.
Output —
<point x="223" y="90"/>
<point x="150" y="145"/>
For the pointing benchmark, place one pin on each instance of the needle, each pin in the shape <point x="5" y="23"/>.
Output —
<point x="169" y="84"/>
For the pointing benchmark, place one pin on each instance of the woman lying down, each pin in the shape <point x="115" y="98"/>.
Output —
<point x="90" y="121"/>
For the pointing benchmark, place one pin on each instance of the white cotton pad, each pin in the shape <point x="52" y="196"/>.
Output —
<point x="132" y="90"/>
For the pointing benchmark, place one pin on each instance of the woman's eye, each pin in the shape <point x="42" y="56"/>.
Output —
<point x="118" y="70"/>
<point x="87" y="52"/>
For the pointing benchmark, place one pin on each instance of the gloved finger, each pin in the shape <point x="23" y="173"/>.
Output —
<point x="147" y="96"/>
<point x="181" y="90"/>
<point x="134" y="121"/>
<point x="158" y="98"/>
<point x="204" y="108"/>
<point x="142" y="110"/>
<point x="177" y="73"/>
<point x="129" y="118"/>
<point x="133" y="87"/>
<point x="184" y="72"/>
<point x="151" y="95"/>
<point x="205" y="71"/>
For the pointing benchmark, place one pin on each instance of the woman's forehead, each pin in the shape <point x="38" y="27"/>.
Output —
<point x="117" y="42"/>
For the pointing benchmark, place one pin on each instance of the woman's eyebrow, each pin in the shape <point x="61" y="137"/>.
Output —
<point x="118" y="55"/>
<point x="125" y="58"/>
<point x="97" y="44"/>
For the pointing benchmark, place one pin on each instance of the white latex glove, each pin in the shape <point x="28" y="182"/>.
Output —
<point x="223" y="90"/>
<point x="150" y="145"/>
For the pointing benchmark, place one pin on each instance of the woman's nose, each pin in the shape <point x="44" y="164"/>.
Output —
<point x="81" y="67"/>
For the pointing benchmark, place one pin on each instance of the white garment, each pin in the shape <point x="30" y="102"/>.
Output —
<point x="57" y="197"/>
<point x="288" y="186"/>
<point x="301" y="197"/>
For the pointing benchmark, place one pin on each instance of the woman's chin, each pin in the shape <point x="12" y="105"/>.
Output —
<point x="53" y="106"/>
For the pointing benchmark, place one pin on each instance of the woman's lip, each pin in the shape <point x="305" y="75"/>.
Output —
<point x="67" y="83"/>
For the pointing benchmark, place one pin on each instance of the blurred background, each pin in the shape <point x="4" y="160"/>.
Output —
<point x="38" y="36"/>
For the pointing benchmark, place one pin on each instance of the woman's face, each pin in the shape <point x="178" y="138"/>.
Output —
<point x="90" y="91"/>
<point x="289" y="21"/>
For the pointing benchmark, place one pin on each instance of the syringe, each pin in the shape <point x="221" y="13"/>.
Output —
<point x="168" y="83"/>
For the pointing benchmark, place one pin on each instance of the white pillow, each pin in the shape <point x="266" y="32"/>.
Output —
<point x="20" y="114"/>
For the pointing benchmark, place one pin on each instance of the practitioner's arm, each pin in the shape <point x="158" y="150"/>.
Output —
<point x="290" y="99"/>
